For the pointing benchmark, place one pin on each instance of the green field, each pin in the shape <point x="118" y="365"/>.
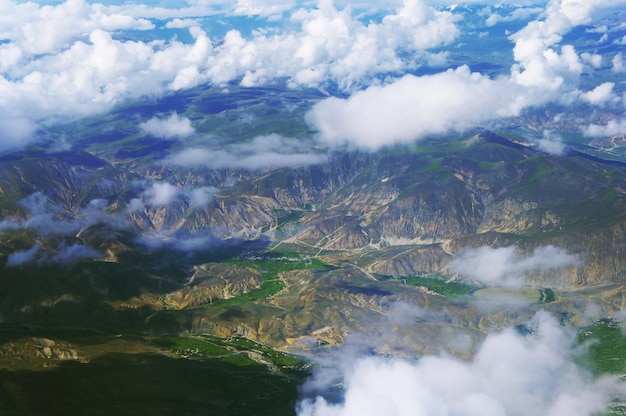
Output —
<point x="450" y="289"/>
<point x="607" y="346"/>
<point x="441" y="286"/>
<point x="270" y="264"/>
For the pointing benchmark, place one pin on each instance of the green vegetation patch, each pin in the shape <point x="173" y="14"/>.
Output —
<point x="271" y="264"/>
<point x="450" y="289"/>
<point x="443" y="287"/>
<point x="187" y="346"/>
<point x="546" y="295"/>
<point x="279" y="359"/>
<point x="607" y="346"/>
<point x="268" y="288"/>
<point x="231" y="350"/>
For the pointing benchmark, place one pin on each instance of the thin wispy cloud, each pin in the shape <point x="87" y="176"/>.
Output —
<point x="268" y="151"/>
<point x="506" y="266"/>
<point x="48" y="219"/>
<point x="18" y="258"/>
<point x="162" y="194"/>
<point x="63" y="254"/>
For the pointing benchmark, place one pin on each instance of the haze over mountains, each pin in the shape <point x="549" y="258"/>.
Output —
<point x="410" y="191"/>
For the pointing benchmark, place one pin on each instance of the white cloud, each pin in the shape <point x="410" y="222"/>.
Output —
<point x="49" y="220"/>
<point x="511" y="374"/>
<point x="161" y="194"/>
<point x="594" y="60"/>
<point x="38" y="30"/>
<point x="135" y="205"/>
<point x="67" y="61"/>
<point x="172" y="127"/>
<point x="184" y="243"/>
<point x="618" y="63"/>
<point x="200" y="197"/>
<point x="63" y="61"/>
<point x="551" y="143"/>
<point x="413" y="107"/>
<point x="262" y="152"/>
<point x="17" y="132"/>
<point x="506" y="267"/>
<point x="181" y="23"/>
<point x="538" y="63"/>
<point x="602" y="94"/>
<point x="615" y="127"/>
<point x="72" y="253"/>
<point x="522" y="13"/>
<point x="20" y="257"/>
<point x="263" y="7"/>
<point x="63" y="254"/>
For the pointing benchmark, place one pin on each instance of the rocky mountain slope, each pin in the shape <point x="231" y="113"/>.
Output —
<point x="370" y="216"/>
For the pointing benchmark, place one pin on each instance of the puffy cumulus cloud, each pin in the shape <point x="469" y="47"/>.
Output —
<point x="200" y="197"/>
<point x="63" y="61"/>
<point x="602" y="94"/>
<point x="413" y="107"/>
<point x="506" y="267"/>
<point x="38" y="30"/>
<point x="333" y="45"/>
<point x="161" y="194"/>
<point x="181" y="23"/>
<point x="551" y="143"/>
<point x="522" y="13"/>
<point x="511" y="374"/>
<point x="544" y="67"/>
<point x="269" y="151"/>
<point x="594" y="60"/>
<point x="16" y="132"/>
<point x="263" y="7"/>
<point x="172" y="127"/>
<point x="538" y="62"/>
<point x="90" y="76"/>
<point x="618" y="63"/>
<point x="615" y="127"/>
